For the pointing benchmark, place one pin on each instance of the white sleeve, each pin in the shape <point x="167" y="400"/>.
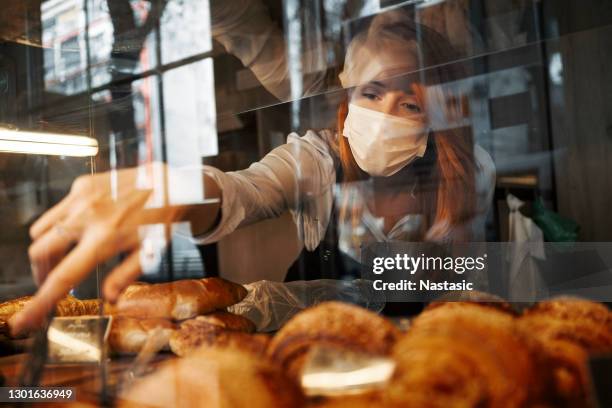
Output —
<point x="246" y="30"/>
<point x="298" y="176"/>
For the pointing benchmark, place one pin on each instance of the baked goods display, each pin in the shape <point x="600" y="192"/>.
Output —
<point x="192" y="307"/>
<point x="331" y="324"/>
<point x="215" y="378"/>
<point x="474" y="352"/>
<point x="456" y="354"/>
<point x="186" y="314"/>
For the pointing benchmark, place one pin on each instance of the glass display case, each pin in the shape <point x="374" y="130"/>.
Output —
<point x="181" y="140"/>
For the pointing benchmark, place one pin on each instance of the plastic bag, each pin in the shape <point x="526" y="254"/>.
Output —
<point x="271" y="304"/>
<point x="555" y="227"/>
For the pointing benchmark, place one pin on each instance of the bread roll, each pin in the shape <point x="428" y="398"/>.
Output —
<point x="224" y="320"/>
<point x="128" y="335"/>
<point x="177" y="300"/>
<point x="191" y="339"/>
<point x="333" y="324"/>
<point x="219" y="329"/>
<point x="215" y="378"/>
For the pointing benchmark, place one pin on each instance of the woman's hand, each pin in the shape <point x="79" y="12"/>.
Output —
<point x="100" y="218"/>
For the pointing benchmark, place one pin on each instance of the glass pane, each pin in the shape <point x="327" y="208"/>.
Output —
<point x="190" y="127"/>
<point x="121" y="38"/>
<point x="185" y="29"/>
<point x="65" y="48"/>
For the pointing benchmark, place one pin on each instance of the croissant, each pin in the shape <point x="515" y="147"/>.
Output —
<point x="333" y="324"/>
<point x="464" y="355"/>
<point x="593" y="337"/>
<point x="573" y="309"/>
<point x="566" y="331"/>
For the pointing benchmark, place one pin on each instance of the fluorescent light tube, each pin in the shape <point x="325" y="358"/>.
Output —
<point x="16" y="141"/>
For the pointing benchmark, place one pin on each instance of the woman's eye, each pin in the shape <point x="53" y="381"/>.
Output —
<point x="370" y="96"/>
<point x="412" y="107"/>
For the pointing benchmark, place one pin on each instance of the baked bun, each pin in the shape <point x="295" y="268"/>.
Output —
<point x="221" y="330"/>
<point x="188" y="340"/>
<point x="332" y="324"/>
<point x="224" y="320"/>
<point x="215" y="378"/>
<point x="463" y="356"/>
<point x="128" y="335"/>
<point x="178" y="300"/>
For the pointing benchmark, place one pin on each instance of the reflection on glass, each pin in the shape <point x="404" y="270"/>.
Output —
<point x="121" y="38"/>
<point x="63" y="40"/>
<point x="176" y="41"/>
<point x="145" y="102"/>
<point x="190" y="126"/>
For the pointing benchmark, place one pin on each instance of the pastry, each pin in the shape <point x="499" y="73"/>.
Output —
<point x="69" y="306"/>
<point x="188" y="340"/>
<point x="128" y="335"/>
<point x="223" y="319"/>
<point x="219" y="329"/>
<point x="464" y="355"/>
<point x="568" y="308"/>
<point x="177" y="300"/>
<point x="566" y="331"/>
<point x="333" y="324"/>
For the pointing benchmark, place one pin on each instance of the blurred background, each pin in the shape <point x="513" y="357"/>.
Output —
<point x="147" y="80"/>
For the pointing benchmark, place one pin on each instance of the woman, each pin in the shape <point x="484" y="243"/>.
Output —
<point x="403" y="159"/>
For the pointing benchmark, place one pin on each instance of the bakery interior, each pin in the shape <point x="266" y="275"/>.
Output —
<point x="96" y="86"/>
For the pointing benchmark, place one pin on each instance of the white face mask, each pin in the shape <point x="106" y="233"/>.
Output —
<point x="383" y="144"/>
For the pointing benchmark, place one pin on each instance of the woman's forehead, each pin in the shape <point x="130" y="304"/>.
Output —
<point x="390" y="81"/>
<point x="392" y="69"/>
